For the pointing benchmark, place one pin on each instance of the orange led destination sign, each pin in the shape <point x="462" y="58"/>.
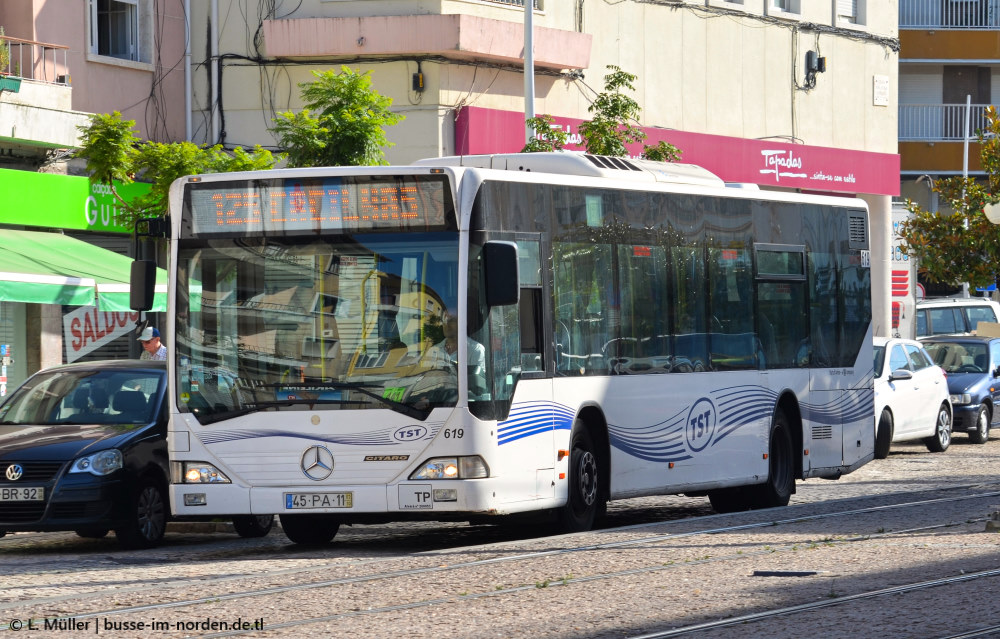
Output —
<point x="344" y="203"/>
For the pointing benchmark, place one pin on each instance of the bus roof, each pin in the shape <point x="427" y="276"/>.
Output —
<point x="586" y="165"/>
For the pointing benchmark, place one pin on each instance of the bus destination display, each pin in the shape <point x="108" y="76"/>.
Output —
<point x="345" y="203"/>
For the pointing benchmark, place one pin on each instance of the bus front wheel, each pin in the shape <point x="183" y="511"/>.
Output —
<point x="584" y="500"/>
<point x="309" y="530"/>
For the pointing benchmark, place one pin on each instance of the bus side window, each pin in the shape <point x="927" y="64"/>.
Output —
<point x="532" y="357"/>
<point x="530" y="306"/>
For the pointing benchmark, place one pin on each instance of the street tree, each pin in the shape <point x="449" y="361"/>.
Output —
<point x="115" y="154"/>
<point x="613" y="126"/>
<point x="343" y="122"/>
<point x="959" y="244"/>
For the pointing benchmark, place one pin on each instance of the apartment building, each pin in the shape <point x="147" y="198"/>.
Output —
<point x="949" y="57"/>
<point x="64" y="259"/>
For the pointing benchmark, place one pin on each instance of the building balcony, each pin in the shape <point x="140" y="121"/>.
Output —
<point x="450" y="36"/>
<point x="37" y="61"/>
<point x="949" y="14"/>
<point x="939" y="122"/>
<point x="36" y="114"/>
<point x="932" y="138"/>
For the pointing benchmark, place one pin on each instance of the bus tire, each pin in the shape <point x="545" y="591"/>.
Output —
<point x="309" y="530"/>
<point x="584" y="499"/>
<point x="728" y="500"/>
<point x="780" y="484"/>
<point x="883" y="435"/>
<point x="251" y="526"/>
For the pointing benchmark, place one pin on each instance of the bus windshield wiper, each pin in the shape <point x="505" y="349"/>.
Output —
<point x="208" y="415"/>
<point x="399" y="407"/>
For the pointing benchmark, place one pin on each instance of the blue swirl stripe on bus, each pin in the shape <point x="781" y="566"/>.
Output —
<point x="378" y="438"/>
<point x="661" y="442"/>
<point x="531" y="418"/>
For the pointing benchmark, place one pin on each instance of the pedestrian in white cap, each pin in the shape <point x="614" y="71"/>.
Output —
<point x="151" y="346"/>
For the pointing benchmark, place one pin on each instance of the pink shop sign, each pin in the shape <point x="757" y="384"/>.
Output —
<point x="763" y="162"/>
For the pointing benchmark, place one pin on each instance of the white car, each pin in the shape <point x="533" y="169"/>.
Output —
<point x="911" y="397"/>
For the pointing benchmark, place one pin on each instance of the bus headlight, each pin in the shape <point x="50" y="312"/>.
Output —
<point x="961" y="400"/>
<point x="197" y="473"/>
<point x="470" y="467"/>
<point x="100" y="464"/>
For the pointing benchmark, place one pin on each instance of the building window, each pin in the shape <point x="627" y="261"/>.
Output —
<point x="850" y="11"/>
<point x="785" y="6"/>
<point x="116" y="27"/>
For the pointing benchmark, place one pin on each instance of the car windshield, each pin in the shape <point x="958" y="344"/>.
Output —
<point x="959" y="357"/>
<point x="879" y="352"/>
<point x="80" y="396"/>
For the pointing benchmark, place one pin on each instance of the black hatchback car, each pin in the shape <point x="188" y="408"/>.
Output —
<point x="83" y="448"/>
<point x="972" y="364"/>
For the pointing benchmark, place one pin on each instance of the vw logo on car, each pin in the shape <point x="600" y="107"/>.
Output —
<point x="15" y="472"/>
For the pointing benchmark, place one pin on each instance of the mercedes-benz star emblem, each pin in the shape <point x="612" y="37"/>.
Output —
<point x="317" y="463"/>
<point x="15" y="471"/>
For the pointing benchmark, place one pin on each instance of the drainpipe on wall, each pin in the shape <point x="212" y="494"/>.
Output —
<point x="187" y="70"/>
<point x="214" y="56"/>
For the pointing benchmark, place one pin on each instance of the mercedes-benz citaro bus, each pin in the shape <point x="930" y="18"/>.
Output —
<point x="483" y="337"/>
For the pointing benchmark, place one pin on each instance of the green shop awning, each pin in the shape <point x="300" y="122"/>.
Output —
<point x="50" y="268"/>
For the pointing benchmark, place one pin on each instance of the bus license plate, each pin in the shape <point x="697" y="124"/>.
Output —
<point x="22" y="493"/>
<point x="318" y="500"/>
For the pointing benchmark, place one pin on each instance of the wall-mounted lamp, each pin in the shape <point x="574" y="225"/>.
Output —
<point x="815" y="63"/>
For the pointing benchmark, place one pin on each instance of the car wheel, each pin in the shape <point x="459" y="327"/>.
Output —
<point x="584" y="500"/>
<point x="250" y="526"/>
<point x="309" y="530"/>
<point x="939" y="441"/>
<point x="91" y="533"/>
<point x="147" y="518"/>
<point x="883" y="435"/>
<point x="982" y="433"/>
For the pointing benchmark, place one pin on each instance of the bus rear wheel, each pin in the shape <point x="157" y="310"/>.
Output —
<point x="309" y="530"/>
<point x="584" y="501"/>
<point x="781" y="467"/>
<point x="780" y="484"/>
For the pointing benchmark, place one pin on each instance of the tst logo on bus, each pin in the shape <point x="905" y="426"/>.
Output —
<point x="409" y="433"/>
<point x="700" y="424"/>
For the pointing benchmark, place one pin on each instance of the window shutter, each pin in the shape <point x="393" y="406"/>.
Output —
<point x="847" y="9"/>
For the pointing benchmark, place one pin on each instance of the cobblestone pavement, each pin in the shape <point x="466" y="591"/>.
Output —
<point x="614" y="592"/>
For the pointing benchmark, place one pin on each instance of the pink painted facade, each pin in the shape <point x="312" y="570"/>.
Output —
<point x="456" y="36"/>
<point x="762" y="162"/>
<point x="149" y="91"/>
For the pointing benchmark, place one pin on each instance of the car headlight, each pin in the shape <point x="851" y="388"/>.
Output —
<point x="100" y="464"/>
<point x="961" y="400"/>
<point x="471" y="467"/>
<point x="195" y="472"/>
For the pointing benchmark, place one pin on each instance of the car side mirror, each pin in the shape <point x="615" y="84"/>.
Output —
<point x="900" y="374"/>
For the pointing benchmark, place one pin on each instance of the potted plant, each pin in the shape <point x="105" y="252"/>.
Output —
<point x="4" y="54"/>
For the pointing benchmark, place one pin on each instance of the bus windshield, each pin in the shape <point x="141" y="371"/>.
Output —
<point x="314" y="323"/>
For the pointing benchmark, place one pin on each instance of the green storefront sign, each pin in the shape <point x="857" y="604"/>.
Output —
<point x="62" y="201"/>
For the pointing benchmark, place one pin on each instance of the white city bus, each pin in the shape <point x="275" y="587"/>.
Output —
<point x="625" y="328"/>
